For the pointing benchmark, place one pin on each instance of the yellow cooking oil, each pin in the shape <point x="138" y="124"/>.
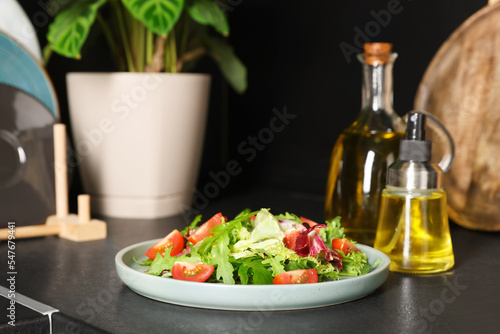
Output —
<point x="356" y="178"/>
<point x="413" y="230"/>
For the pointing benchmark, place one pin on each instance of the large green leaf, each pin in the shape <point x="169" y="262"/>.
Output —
<point x="207" y="12"/>
<point x="71" y="27"/>
<point x="220" y="260"/>
<point x="231" y="66"/>
<point x="159" y="16"/>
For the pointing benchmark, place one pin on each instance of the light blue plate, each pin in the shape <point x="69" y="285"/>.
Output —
<point x="20" y="70"/>
<point x="247" y="297"/>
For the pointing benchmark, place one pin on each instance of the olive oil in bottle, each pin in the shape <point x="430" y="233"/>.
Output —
<point x="364" y="151"/>
<point x="419" y="216"/>
<point x="357" y="178"/>
<point x="413" y="225"/>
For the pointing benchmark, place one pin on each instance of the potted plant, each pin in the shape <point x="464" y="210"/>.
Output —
<point x="138" y="132"/>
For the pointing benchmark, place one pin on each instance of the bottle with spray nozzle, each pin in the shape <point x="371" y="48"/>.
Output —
<point x="413" y="225"/>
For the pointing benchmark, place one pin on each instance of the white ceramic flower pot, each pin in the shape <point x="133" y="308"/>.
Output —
<point x="138" y="140"/>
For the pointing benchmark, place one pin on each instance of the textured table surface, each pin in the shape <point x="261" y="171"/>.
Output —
<point x="80" y="280"/>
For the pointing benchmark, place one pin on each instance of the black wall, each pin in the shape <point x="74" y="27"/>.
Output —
<point x="300" y="58"/>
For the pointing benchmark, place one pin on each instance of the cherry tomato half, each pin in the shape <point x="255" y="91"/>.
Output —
<point x="344" y="245"/>
<point x="299" y="276"/>
<point x="204" y="230"/>
<point x="308" y="221"/>
<point x="290" y="238"/>
<point x="195" y="272"/>
<point x="174" y="239"/>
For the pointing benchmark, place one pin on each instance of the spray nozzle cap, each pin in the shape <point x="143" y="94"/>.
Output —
<point x="415" y="129"/>
<point x="414" y="147"/>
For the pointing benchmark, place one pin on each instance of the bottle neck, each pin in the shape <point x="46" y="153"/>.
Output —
<point x="377" y="90"/>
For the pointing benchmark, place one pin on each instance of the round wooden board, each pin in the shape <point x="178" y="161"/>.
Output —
<point x="461" y="87"/>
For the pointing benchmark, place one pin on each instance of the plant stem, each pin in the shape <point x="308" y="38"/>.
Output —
<point x="193" y="54"/>
<point x="47" y="52"/>
<point x="123" y="34"/>
<point x="131" y="36"/>
<point x="157" y="63"/>
<point x="173" y="52"/>
<point x="149" y="47"/>
<point x="140" y="45"/>
<point x="166" y="54"/>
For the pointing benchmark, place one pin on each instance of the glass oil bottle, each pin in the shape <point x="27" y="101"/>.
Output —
<point x="413" y="225"/>
<point x="363" y="152"/>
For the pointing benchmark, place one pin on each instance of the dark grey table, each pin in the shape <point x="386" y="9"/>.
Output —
<point x="79" y="280"/>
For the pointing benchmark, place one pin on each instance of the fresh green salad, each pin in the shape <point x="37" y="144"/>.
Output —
<point x="257" y="248"/>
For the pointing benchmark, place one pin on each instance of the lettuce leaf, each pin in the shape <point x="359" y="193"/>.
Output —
<point x="220" y="260"/>
<point x="266" y="226"/>
<point x="243" y="213"/>
<point x="205" y="246"/>
<point x="355" y="264"/>
<point x="266" y="234"/>
<point x="289" y="216"/>
<point x="161" y="263"/>
<point x="254" y="271"/>
<point x="332" y="231"/>
<point x="309" y="243"/>
<point x="302" y="263"/>
<point x="243" y="274"/>
<point x="270" y="247"/>
<point x="276" y="264"/>
<point x="146" y="262"/>
<point x="192" y="226"/>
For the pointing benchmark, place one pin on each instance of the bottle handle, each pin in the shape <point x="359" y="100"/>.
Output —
<point x="440" y="129"/>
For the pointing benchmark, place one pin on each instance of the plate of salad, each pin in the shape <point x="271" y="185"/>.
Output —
<point x="257" y="261"/>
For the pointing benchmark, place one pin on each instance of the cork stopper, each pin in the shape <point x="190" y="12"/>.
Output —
<point x="377" y="53"/>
